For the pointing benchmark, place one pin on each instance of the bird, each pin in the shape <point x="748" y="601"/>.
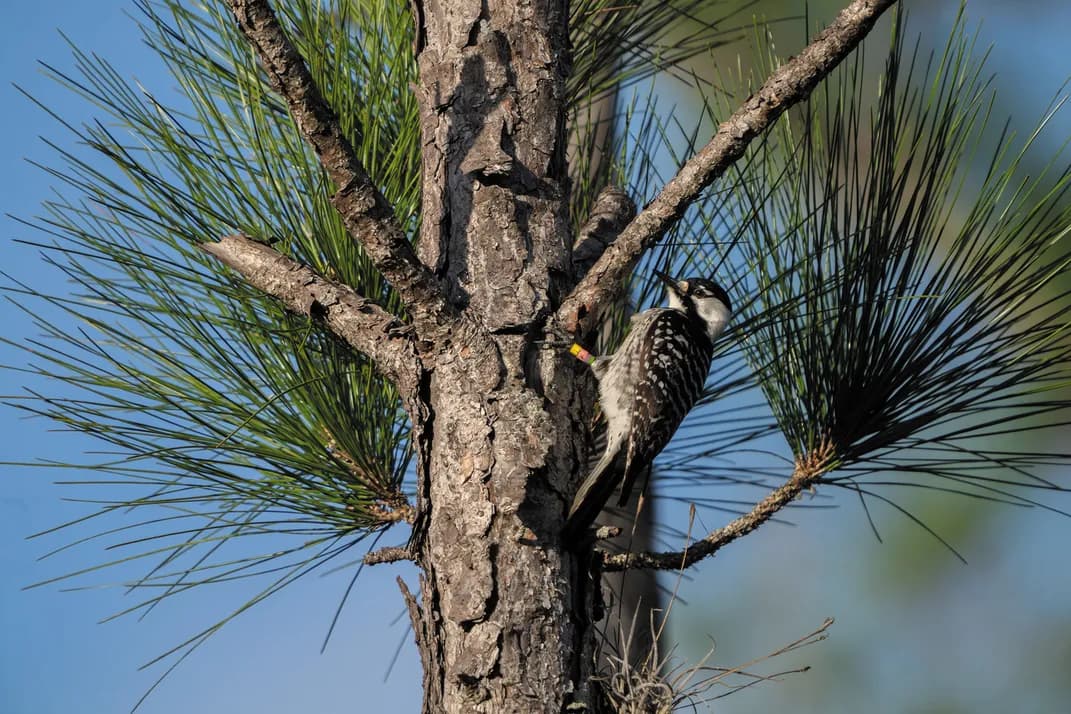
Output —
<point x="647" y="387"/>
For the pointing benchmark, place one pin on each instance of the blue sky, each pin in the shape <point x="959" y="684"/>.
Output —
<point x="56" y="658"/>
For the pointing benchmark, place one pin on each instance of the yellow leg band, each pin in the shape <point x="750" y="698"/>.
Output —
<point x="581" y="354"/>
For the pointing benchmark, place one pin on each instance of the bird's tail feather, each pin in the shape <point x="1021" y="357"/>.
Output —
<point x="592" y="495"/>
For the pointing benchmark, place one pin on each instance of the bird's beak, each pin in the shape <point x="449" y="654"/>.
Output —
<point x="669" y="281"/>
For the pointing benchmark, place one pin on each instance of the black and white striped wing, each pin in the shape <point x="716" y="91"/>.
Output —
<point x="674" y="358"/>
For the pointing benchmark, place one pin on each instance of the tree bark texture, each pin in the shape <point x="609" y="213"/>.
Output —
<point x="494" y="624"/>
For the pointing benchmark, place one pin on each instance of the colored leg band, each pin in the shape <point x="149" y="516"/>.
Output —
<point x="582" y="354"/>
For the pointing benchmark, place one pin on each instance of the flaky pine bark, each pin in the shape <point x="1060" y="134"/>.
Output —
<point x="495" y="629"/>
<point x="505" y="616"/>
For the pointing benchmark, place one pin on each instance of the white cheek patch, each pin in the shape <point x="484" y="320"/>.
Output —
<point x="714" y="314"/>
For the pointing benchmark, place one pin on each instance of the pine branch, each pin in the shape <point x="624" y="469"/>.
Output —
<point x="789" y="85"/>
<point x="364" y="325"/>
<point x="368" y="216"/>
<point x="808" y="472"/>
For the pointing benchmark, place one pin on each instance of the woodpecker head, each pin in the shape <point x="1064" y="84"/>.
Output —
<point x="704" y="299"/>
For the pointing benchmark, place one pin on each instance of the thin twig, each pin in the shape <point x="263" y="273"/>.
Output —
<point x="788" y="85"/>
<point x="368" y="216"/>
<point x="366" y="326"/>
<point x="808" y="472"/>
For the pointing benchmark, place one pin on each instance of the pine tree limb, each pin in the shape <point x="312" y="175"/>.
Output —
<point x="807" y="473"/>
<point x="368" y="216"/>
<point x="788" y="85"/>
<point x="366" y="326"/>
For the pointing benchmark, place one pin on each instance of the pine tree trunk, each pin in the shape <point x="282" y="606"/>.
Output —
<point x="500" y="426"/>
<point x="496" y="624"/>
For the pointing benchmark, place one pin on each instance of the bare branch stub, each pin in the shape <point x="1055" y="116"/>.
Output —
<point x="368" y="216"/>
<point x="788" y="85"/>
<point x="612" y="211"/>
<point x="366" y="326"/>
<point x="391" y="554"/>
<point x="808" y="472"/>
